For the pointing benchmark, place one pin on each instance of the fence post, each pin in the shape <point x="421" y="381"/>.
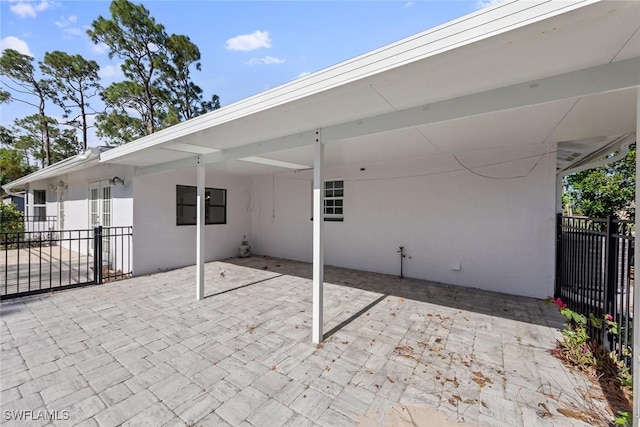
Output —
<point x="97" y="255"/>
<point x="610" y="283"/>
<point x="558" y="284"/>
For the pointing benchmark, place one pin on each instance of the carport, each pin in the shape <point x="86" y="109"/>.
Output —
<point x="558" y="78"/>
<point x="554" y="77"/>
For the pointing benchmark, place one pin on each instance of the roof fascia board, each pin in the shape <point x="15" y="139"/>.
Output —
<point x="65" y="166"/>
<point x="462" y="31"/>
<point x="249" y="150"/>
<point x="603" y="78"/>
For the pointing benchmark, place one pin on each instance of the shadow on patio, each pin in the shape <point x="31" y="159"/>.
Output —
<point x="523" y="309"/>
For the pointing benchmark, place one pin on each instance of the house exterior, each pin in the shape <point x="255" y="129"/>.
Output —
<point x="16" y="199"/>
<point x="450" y="144"/>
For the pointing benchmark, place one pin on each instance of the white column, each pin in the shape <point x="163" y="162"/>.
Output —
<point x="200" y="215"/>
<point x="636" y="294"/>
<point x="318" y="247"/>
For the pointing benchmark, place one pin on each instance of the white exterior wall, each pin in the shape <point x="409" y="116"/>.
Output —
<point x="159" y="244"/>
<point x="500" y="232"/>
<point x="76" y="211"/>
<point x="77" y="192"/>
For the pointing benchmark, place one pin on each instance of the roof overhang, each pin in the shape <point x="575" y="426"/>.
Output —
<point x="518" y="74"/>
<point x="72" y="164"/>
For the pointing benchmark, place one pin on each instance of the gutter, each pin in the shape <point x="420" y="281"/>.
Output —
<point x="623" y="146"/>
<point x="623" y="149"/>
<point x="55" y="169"/>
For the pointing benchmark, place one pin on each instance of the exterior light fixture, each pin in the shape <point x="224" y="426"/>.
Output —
<point x="116" y="180"/>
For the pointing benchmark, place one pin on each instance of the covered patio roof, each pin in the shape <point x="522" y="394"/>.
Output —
<point x="540" y="76"/>
<point x="513" y="75"/>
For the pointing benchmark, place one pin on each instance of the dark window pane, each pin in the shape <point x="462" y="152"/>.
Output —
<point x="186" y="206"/>
<point x="328" y="202"/>
<point x="328" y="184"/>
<point x="40" y="213"/>
<point x="39" y="197"/>
<point x="217" y="215"/>
<point x="338" y="193"/>
<point x="339" y="202"/>
<point x="338" y="211"/>
<point x="338" y="184"/>
<point x="187" y="215"/>
<point x="217" y="197"/>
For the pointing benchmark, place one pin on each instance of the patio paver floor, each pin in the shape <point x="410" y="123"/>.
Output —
<point x="144" y="352"/>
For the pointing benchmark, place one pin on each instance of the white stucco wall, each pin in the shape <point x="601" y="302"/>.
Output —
<point x="76" y="203"/>
<point x="159" y="244"/>
<point x="499" y="231"/>
<point x="76" y="211"/>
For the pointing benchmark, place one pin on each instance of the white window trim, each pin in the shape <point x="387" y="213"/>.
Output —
<point x="330" y="217"/>
<point x="35" y="205"/>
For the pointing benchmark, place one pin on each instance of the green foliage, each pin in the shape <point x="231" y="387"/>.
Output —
<point x="581" y="351"/>
<point x="28" y="130"/>
<point x="10" y="219"/>
<point x="13" y="165"/>
<point x="75" y="81"/>
<point x="624" y="418"/>
<point x="18" y="69"/>
<point x="606" y="190"/>
<point x="157" y="68"/>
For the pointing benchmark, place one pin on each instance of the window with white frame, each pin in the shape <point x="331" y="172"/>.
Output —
<point x="39" y="205"/>
<point x="215" y="205"/>
<point x="334" y="200"/>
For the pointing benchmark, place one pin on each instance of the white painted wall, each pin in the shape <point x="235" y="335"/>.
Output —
<point x="76" y="193"/>
<point x="500" y="231"/>
<point x="159" y="244"/>
<point x="76" y="209"/>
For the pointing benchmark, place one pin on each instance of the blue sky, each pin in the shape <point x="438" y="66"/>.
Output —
<point x="247" y="47"/>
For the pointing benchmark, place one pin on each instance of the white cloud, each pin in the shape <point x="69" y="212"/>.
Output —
<point x="481" y="4"/>
<point x="265" y="60"/>
<point x="304" y="73"/>
<point x="110" y="72"/>
<point x="408" y="4"/>
<point x="66" y="22"/>
<point x="246" y="42"/>
<point x="15" y="43"/>
<point x="73" y="32"/>
<point x="99" y="48"/>
<point x="29" y="9"/>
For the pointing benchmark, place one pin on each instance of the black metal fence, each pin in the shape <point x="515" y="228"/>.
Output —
<point x="40" y="223"/>
<point x="43" y="261"/>
<point x="594" y="275"/>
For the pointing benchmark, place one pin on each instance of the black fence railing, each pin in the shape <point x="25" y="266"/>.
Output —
<point x="42" y="261"/>
<point x="594" y="275"/>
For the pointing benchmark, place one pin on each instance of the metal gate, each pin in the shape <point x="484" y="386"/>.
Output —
<point x="43" y="261"/>
<point x="594" y="273"/>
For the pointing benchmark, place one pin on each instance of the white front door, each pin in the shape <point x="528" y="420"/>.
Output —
<point x="100" y="209"/>
<point x="61" y="209"/>
<point x="100" y="204"/>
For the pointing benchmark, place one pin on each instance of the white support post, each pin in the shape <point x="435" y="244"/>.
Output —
<point x="636" y="294"/>
<point x="200" y="215"/>
<point x="318" y="247"/>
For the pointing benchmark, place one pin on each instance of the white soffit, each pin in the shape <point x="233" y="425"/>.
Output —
<point x="273" y="162"/>
<point x="216" y="128"/>
<point x="188" y="148"/>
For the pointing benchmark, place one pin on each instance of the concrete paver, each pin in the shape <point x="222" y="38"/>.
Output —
<point x="145" y="352"/>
